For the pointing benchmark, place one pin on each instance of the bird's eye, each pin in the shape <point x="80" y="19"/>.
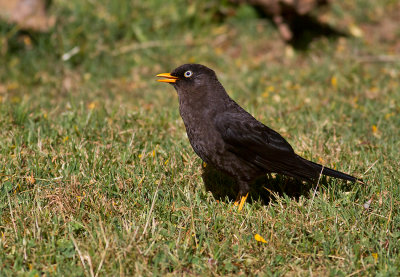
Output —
<point x="188" y="73"/>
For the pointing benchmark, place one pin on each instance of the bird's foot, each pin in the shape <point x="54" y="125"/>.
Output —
<point x="240" y="201"/>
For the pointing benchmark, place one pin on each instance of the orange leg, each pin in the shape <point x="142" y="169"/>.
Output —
<point x="240" y="200"/>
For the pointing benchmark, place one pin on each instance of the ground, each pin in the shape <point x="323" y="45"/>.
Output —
<point x="97" y="176"/>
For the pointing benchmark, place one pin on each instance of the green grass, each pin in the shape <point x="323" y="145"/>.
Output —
<point x="97" y="176"/>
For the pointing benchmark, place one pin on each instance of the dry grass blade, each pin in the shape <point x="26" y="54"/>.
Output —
<point x="150" y="211"/>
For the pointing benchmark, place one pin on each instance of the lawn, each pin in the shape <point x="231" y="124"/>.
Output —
<point x="97" y="176"/>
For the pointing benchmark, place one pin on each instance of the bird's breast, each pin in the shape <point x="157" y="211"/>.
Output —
<point x="203" y="136"/>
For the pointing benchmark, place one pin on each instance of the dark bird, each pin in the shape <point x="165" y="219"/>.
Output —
<point x="224" y="135"/>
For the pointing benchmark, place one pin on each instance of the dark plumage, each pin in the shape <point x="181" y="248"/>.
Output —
<point x="224" y="135"/>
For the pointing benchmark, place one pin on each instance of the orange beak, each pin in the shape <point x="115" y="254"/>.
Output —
<point x="168" y="76"/>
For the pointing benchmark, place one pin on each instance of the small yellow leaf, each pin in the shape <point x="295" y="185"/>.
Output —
<point x="334" y="82"/>
<point x="87" y="76"/>
<point x="276" y="98"/>
<point x="375" y="256"/>
<point x="355" y="31"/>
<point x="374" y="129"/>
<point x="259" y="238"/>
<point x="91" y="106"/>
<point x="220" y="30"/>
<point x="289" y="52"/>
<point x="266" y="92"/>
<point x="218" y="50"/>
<point x="387" y="116"/>
<point x="65" y="139"/>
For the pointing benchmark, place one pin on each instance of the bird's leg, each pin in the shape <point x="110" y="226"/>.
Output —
<point x="242" y="201"/>
<point x="242" y="195"/>
<point x="237" y="201"/>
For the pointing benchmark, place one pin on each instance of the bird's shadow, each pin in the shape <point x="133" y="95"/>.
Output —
<point x="264" y="189"/>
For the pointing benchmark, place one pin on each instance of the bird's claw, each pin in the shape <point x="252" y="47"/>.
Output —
<point x="240" y="201"/>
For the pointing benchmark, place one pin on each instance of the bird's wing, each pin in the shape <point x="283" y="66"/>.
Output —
<point x="258" y="144"/>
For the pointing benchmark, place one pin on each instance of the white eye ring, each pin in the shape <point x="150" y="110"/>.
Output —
<point x="188" y="73"/>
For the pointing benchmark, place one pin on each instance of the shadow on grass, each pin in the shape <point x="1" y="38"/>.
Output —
<point x="264" y="189"/>
<point x="305" y="29"/>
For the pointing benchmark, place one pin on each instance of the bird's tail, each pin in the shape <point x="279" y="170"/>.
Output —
<point x="331" y="172"/>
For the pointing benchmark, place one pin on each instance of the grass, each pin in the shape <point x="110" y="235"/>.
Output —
<point x="97" y="176"/>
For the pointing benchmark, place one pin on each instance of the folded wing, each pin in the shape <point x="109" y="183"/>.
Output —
<point x="255" y="143"/>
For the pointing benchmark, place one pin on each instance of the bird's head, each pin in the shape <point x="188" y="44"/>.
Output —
<point x="189" y="77"/>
